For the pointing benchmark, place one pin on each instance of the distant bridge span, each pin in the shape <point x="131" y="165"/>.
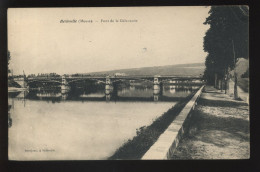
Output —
<point x="128" y="77"/>
<point x="67" y="79"/>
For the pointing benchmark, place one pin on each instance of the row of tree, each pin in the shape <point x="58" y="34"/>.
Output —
<point x="226" y="40"/>
<point x="44" y="75"/>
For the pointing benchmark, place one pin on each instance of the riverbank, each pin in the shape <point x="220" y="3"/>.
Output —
<point x="147" y="135"/>
<point x="219" y="129"/>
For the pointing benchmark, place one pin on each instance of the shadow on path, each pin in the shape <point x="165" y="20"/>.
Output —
<point x="221" y="103"/>
<point x="217" y="129"/>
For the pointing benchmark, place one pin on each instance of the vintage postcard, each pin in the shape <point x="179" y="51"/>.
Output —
<point x="128" y="83"/>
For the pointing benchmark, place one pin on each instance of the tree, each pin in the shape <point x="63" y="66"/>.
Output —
<point x="225" y="41"/>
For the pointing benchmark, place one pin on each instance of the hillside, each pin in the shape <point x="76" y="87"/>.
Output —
<point x="193" y="69"/>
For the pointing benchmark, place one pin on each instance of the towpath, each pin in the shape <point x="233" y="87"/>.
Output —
<point x="219" y="129"/>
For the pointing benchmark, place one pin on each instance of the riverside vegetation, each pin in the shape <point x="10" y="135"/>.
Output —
<point x="147" y="135"/>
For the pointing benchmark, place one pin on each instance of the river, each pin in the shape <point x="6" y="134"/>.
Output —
<point x="85" y="124"/>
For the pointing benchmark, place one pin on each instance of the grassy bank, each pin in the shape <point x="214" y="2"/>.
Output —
<point x="147" y="135"/>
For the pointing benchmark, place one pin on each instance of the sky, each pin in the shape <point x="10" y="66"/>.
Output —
<point x="40" y="43"/>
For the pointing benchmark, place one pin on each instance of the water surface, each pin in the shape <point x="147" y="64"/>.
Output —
<point x="48" y="125"/>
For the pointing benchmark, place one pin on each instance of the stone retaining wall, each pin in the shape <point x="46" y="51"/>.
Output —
<point x="166" y="144"/>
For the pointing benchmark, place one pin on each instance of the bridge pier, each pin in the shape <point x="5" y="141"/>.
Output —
<point x="157" y="88"/>
<point x="64" y="85"/>
<point x="111" y="89"/>
<point x="108" y="86"/>
<point x="156" y="80"/>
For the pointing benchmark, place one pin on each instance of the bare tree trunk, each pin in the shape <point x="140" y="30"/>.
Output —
<point x="225" y="80"/>
<point x="235" y="86"/>
<point x="226" y="84"/>
<point x="216" y="79"/>
<point x="218" y="87"/>
<point x="235" y="74"/>
<point x="221" y="85"/>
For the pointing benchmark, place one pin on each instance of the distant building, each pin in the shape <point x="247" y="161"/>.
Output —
<point x="120" y="74"/>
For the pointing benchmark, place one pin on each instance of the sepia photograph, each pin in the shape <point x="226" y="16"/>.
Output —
<point x="128" y="83"/>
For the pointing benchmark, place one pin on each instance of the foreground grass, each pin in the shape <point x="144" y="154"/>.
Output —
<point x="147" y="136"/>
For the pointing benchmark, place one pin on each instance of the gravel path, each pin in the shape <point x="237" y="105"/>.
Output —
<point x="219" y="129"/>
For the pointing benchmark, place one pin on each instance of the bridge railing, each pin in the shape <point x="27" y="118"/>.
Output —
<point x="126" y="77"/>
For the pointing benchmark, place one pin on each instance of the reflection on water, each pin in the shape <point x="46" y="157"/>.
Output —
<point x="81" y="124"/>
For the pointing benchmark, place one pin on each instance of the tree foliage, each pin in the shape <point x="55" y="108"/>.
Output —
<point x="229" y="28"/>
